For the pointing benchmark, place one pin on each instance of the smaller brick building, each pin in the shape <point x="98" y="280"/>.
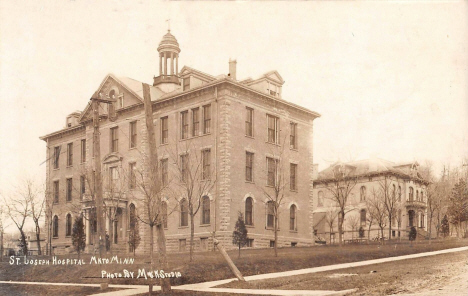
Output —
<point x="404" y="186"/>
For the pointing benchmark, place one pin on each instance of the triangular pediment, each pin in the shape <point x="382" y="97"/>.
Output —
<point x="127" y="89"/>
<point x="275" y="76"/>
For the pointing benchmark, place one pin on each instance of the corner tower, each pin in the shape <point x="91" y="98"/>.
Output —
<point x="168" y="62"/>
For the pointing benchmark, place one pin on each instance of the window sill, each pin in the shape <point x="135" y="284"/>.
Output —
<point x="163" y="144"/>
<point x="293" y="190"/>
<point x="56" y="169"/>
<point x="182" y="227"/>
<point x="132" y="148"/>
<point x="273" y="143"/>
<point x="251" y="182"/>
<point x="250" y="226"/>
<point x="69" y="166"/>
<point x="294" y="149"/>
<point x="205" y="225"/>
<point x="250" y="137"/>
<point x="55" y="237"/>
<point x="271" y="228"/>
<point x="293" y="231"/>
<point x="67" y="236"/>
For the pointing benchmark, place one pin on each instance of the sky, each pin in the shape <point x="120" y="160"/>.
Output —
<point x="388" y="78"/>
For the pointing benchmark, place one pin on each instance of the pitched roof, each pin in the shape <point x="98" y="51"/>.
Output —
<point x="370" y="167"/>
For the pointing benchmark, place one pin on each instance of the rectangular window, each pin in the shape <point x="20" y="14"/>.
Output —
<point x="164" y="171"/>
<point x="272" y="244"/>
<point x="293" y="136"/>
<point x="132" y="175"/>
<point x="250" y="243"/>
<point x="204" y="243"/>
<point x="82" y="186"/>
<point x="249" y="122"/>
<point x="292" y="176"/>
<point x="273" y="129"/>
<point x="206" y="119"/>
<point x="195" y="122"/>
<point x="114" y="179"/>
<point x="121" y="101"/>
<point x="270" y="215"/>
<point x="69" y="154"/>
<point x="133" y="134"/>
<point x="184" y="167"/>
<point x="249" y="166"/>
<point x="182" y="244"/>
<point x="114" y="139"/>
<point x="56" y="156"/>
<point x="206" y="158"/>
<point x="186" y="83"/>
<point x="184" y="125"/>
<point x="164" y="130"/>
<point x="56" y="191"/>
<point x="83" y="150"/>
<point x="69" y="189"/>
<point x="272" y="166"/>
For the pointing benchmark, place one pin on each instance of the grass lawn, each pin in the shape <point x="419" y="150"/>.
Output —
<point x="404" y="276"/>
<point x="39" y="290"/>
<point x="209" y="266"/>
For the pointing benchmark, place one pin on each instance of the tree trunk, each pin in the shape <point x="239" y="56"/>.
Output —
<point x="38" y="236"/>
<point x="164" y="282"/>
<point x="340" y="228"/>
<point x="151" y="246"/>
<point x="192" y="234"/>
<point x="23" y="241"/>
<point x="382" y="235"/>
<point x="389" y="227"/>
<point x="276" y="236"/>
<point x="239" y="250"/>
<point x="430" y="228"/>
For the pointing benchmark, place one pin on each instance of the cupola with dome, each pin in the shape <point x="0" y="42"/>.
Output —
<point x="168" y="62"/>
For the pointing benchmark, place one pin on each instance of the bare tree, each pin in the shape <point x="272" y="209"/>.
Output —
<point x="330" y="219"/>
<point x="18" y="209"/>
<point x="376" y="207"/>
<point x="277" y="181"/>
<point x="353" y="223"/>
<point x="370" y="219"/>
<point x="37" y="208"/>
<point x="195" y="179"/>
<point x="388" y="193"/>
<point x="340" y="188"/>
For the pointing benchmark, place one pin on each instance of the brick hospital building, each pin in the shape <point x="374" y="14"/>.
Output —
<point x="243" y="131"/>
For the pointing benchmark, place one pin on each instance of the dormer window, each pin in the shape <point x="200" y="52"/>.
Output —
<point x="273" y="89"/>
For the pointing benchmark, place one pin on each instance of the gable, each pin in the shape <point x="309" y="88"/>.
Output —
<point x="274" y="76"/>
<point x="126" y="91"/>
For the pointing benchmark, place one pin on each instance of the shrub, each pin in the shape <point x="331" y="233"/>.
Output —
<point x="412" y="233"/>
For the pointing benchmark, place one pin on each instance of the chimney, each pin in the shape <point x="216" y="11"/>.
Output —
<point x="232" y="69"/>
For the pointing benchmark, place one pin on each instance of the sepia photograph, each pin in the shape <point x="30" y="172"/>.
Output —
<point x="234" y="148"/>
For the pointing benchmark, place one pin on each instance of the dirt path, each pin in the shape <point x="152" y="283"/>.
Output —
<point x="452" y="281"/>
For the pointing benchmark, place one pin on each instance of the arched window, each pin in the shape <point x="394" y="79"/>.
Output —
<point x="183" y="212"/>
<point x="421" y="196"/>
<point x="399" y="193"/>
<point x="206" y="210"/>
<point x="292" y="218"/>
<point x="399" y="219"/>
<point x="363" y="217"/>
<point x="111" y="108"/>
<point x="68" y="225"/>
<point x="421" y="223"/>
<point x="411" y="194"/>
<point x="164" y="213"/>
<point x="249" y="211"/>
<point x="362" y="193"/>
<point x="417" y="195"/>
<point x="394" y="193"/>
<point x="320" y="199"/>
<point x="411" y="218"/>
<point x="270" y="214"/>
<point x="55" y="227"/>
